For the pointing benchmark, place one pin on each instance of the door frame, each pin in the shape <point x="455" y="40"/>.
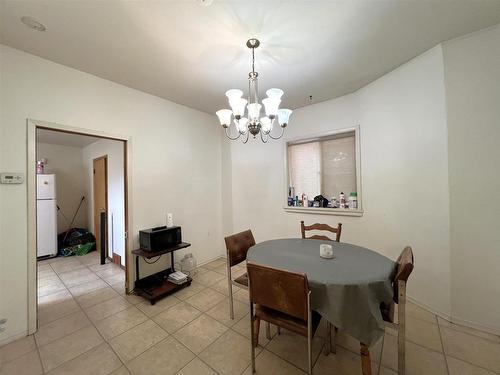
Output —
<point x="105" y="157"/>
<point x="31" y="126"/>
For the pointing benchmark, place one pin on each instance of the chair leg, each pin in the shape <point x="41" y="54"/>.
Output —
<point x="309" y="333"/>
<point x="230" y="289"/>
<point x="268" y="330"/>
<point x="328" y="340"/>
<point x="401" y="327"/>
<point x="334" y="341"/>
<point x="253" y="341"/>
<point x="366" y="363"/>
<point x="278" y="329"/>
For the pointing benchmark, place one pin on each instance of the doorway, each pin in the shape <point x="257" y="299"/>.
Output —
<point x="67" y="276"/>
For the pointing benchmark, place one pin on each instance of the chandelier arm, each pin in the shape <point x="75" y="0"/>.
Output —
<point x="278" y="137"/>
<point x="262" y="137"/>
<point x="231" y="138"/>
<point x="246" y="140"/>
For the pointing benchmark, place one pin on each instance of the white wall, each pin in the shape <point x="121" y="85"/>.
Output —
<point x="116" y="190"/>
<point x="472" y="72"/>
<point x="404" y="166"/>
<point x="175" y="160"/>
<point x="67" y="163"/>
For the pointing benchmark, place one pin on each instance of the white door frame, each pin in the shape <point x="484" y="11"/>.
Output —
<point x="31" y="126"/>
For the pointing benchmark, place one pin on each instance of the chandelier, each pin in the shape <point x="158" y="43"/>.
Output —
<point x="253" y="123"/>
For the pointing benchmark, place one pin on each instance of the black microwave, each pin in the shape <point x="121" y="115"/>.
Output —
<point x="159" y="238"/>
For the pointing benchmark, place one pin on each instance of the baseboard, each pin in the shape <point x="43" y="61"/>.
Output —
<point x="13" y="338"/>
<point x="453" y="319"/>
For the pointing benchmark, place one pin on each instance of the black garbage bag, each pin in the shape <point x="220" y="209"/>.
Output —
<point x="73" y="238"/>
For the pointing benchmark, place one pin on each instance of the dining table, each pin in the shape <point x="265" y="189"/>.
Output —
<point x="346" y="290"/>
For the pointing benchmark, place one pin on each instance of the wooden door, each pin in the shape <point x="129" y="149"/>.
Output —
<point x="100" y="192"/>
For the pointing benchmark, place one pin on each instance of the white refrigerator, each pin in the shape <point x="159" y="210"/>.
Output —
<point x="46" y="215"/>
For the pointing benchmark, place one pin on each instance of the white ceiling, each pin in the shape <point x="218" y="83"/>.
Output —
<point x="64" y="139"/>
<point x="191" y="54"/>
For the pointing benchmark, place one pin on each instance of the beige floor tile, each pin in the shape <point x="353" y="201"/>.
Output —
<point x="101" y="267"/>
<point x="267" y="363"/>
<point x="43" y="265"/>
<point x="45" y="274"/>
<point x="176" y="317"/>
<point x="151" y="310"/>
<point x="243" y="328"/>
<point x="61" y="327"/>
<point x="222" y="287"/>
<point x="350" y="343"/>
<point x="215" y="263"/>
<point x="17" y="349"/>
<point x="52" y="312"/>
<point x="88" y="287"/>
<point x="168" y="355"/>
<point x="206" y="299"/>
<point x="471" y="331"/>
<point x="121" y="371"/>
<point x="50" y="289"/>
<point x="69" y="347"/>
<point x="222" y="269"/>
<point x="344" y="362"/>
<point x="419" y="360"/>
<point x="417" y="312"/>
<point x="197" y="367"/>
<point x="386" y="371"/>
<point x="110" y="272"/>
<point x="67" y="266"/>
<point x="458" y="367"/>
<point x="472" y="349"/>
<point x="209" y="278"/>
<point x="28" y="364"/>
<point x="230" y="354"/>
<point x="189" y="291"/>
<point x="107" y="308"/>
<point x="99" y="361"/>
<point x="96" y="296"/>
<point x="119" y="288"/>
<point x="120" y="322"/>
<point x="293" y="347"/>
<point x="242" y="296"/>
<point x="200" y="333"/>
<point x="90" y="259"/>
<point x="423" y="333"/>
<point x="49" y="281"/>
<point x="54" y="298"/>
<point x="115" y="279"/>
<point x="77" y="280"/>
<point x="133" y="298"/>
<point x="137" y="340"/>
<point x="220" y="312"/>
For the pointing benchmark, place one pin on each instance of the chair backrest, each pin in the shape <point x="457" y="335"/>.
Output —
<point x="237" y="246"/>
<point x="405" y="265"/>
<point x="317" y="226"/>
<point x="279" y="290"/>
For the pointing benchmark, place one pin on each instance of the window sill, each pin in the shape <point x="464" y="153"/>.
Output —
<point x="324" y="211"/>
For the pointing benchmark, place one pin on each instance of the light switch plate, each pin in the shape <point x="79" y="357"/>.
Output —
<point x="11" y="178"/>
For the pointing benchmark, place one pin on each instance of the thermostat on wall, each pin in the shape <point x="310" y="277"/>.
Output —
<point x="11" y="178"/>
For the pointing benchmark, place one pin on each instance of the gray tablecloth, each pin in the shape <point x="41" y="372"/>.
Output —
<point x="346" y="290"/>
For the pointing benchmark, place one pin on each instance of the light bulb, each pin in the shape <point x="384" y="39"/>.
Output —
<point x="254" y="111"/>
<point x="267" y="124"/>
<point x="284" y="116"/>
<point x="238" y="107"/>
<point x="224" y="116"/>
<point x="271" y="105"/>
<point x="274" y="93"/>
<point x="242" y="125"/>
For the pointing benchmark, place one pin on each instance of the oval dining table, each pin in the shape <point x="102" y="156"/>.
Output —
<point x="346" y="290"/>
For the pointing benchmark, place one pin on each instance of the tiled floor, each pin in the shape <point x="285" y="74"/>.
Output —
<point x="89" y="326"/>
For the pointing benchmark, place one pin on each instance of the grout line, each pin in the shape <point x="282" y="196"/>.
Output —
<point x="442" y="346"/>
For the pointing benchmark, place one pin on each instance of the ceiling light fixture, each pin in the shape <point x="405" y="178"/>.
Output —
<point x="253" y="123"/>
<point x="33" y="24"/>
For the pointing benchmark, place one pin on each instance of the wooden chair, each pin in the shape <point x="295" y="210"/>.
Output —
<point x="237" y="247"/>
<point x="281" y="298"/>
<point x="317" y="226"/>
<point x="338" y="232"/>
<point x="405" y="265"/>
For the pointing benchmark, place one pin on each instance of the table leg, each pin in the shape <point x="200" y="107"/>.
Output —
<point x="172" y="269"/>
<point x="136" y="268"/>
<point x="366" y="363"/>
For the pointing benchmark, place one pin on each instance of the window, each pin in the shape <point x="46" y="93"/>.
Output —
<point x="324" y="166"/>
